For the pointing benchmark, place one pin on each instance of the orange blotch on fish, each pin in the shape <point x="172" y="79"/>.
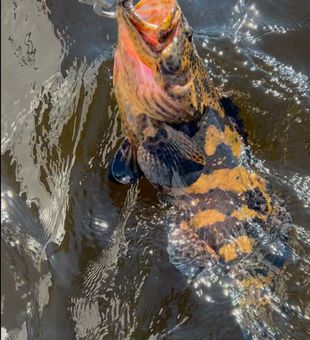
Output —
<point x="194" y="99"/>
<point x="207" y="217"/>
<point x="238" y="180"/>
<point x="219" y="108"/>
<point x="244" y="213"/>
<point x="242" y="245"/>
<point x="257" y="283"/>
<point x="213" y="101"/>
<point x="228" y="252"/>
<point x="215" y="137"/>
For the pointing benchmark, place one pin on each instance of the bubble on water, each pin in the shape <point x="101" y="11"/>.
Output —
<point x="208" y="298"/>
<point x="103" y="225"/>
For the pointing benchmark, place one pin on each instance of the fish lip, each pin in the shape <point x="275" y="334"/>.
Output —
<point x="129" y="9"/>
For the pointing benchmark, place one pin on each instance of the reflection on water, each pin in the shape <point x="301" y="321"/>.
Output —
<point x="84" y="258"/>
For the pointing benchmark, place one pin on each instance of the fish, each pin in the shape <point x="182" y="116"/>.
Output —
<point x="162" y="89"/>
<point x="180" y="134"/>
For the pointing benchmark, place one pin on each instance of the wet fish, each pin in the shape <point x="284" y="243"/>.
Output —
<point x="181" y="137"/>
<point x="160" y="86"/>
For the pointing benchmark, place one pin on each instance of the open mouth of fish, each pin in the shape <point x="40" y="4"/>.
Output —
<point x="151" y="14"/>
<point x="155" y="20"/>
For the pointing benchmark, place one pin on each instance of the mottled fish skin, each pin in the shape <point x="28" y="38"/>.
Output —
<point x="228" y="221"/>
<point x="168" y="84"/>
<point x="215" y="213"/>
<point x="227" y="195"/>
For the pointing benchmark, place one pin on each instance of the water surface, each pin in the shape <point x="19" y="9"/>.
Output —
<point x="83" y="258"/>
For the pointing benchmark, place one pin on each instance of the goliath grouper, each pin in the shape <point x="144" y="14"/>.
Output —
<point x="179" y="136"/>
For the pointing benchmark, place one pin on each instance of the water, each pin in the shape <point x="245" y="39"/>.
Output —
<point x="83" y="258"/>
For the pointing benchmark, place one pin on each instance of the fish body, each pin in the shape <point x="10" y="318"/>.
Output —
<point x="229" y="211"/>
<point x="160" y="78"/>
<point x="223" y="210"/>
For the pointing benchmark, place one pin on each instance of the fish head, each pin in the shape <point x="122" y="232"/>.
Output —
<point x="149" y="24"/>
<point x="156" y="61"/>
<point x="158" y="31"/>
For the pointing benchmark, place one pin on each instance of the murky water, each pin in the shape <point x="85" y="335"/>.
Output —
<point x="83" y="258"/>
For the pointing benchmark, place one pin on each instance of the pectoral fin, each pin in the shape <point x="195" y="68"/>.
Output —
<point x="124" y="168"/>
<point x="170" y="158"/>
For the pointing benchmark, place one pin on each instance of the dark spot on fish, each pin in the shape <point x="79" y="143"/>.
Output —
<point x="256" y="200"/>
<point x="206" y="84"/>
<point x="232" y="112"/>
<point x="223" y="158"/>
<point x="214" y="200"/>
<point x="212" y="117"/>
<point x="189" y="129"/>
<point x="198" y="92"/>
<point x="141" y="121"/>
<point x="166" y="68"/>
<point x="163" y="35"/>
